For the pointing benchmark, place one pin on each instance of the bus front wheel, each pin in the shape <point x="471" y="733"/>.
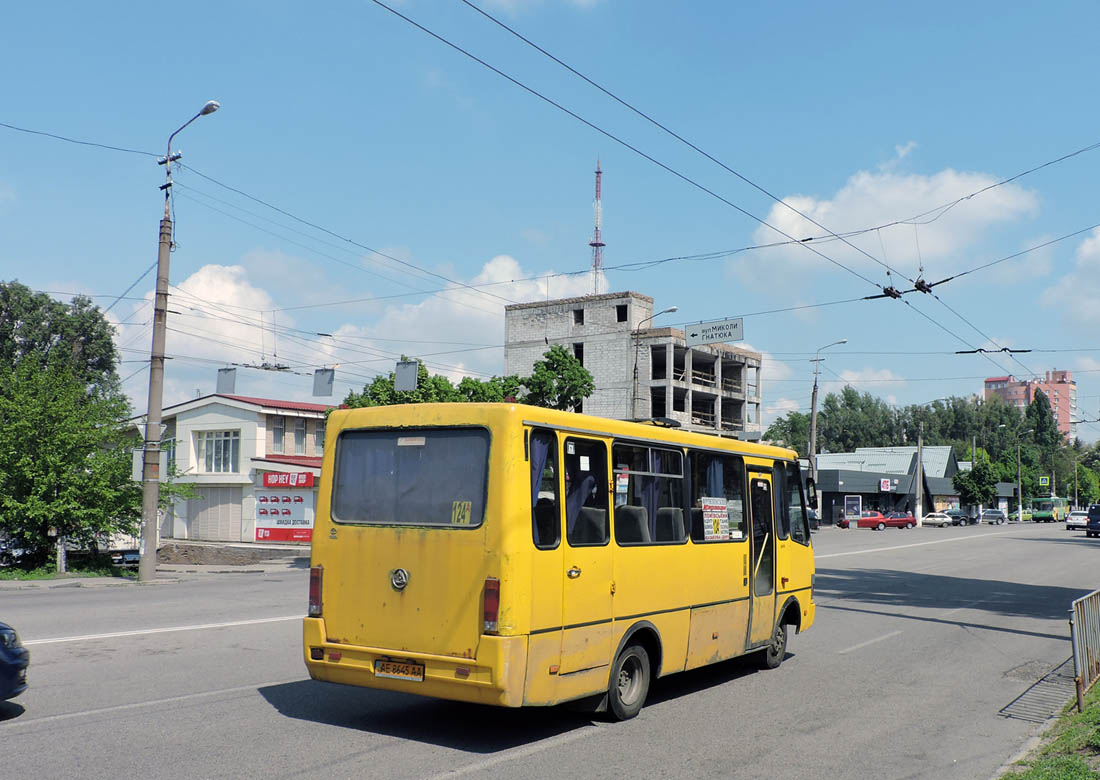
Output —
<point x="773" y="655"/>
<point x="629" y="684"/>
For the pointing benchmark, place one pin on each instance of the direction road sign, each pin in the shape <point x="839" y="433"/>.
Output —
<point x="716" y="330"/>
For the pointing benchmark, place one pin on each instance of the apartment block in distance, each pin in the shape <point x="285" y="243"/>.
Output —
<point x="712" y="388"/>
<point x="1058" y="386"/>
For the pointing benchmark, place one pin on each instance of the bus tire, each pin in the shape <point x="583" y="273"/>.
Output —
<point x="773" y="654"/>
<point x="629" y="684"/>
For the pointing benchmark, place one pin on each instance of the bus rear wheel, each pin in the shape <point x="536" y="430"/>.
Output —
<point x="629" y="683"/>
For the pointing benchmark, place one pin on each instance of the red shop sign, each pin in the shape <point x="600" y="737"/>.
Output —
<point x="303" y="479"/>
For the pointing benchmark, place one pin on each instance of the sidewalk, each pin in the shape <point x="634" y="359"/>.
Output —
<point x="189" y="561"/>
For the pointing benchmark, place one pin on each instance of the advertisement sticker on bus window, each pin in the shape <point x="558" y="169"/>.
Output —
<point x="622" y="483"/>
<point x="460" y="512"/>
<point x="716" y="519"/>
<point x="570" y="448"/>
<point x="584" y="463"/>
<point x="737" y="519"/>
<point x="410" y="441"/>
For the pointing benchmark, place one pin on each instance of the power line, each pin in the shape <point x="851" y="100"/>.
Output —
<point x="680" y="138"/>
<point x="77" y="141"/>
<point x="616" y="139"/>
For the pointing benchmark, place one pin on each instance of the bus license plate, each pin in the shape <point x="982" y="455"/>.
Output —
<point x="399" y="670"/>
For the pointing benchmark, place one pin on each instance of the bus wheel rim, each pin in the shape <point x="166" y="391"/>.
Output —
<point x="629" y="680"/>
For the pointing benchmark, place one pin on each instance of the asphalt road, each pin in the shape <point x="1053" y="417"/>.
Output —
<point x="923" y="638"/>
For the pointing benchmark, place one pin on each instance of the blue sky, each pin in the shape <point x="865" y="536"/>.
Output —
<point x="347" y="117"/>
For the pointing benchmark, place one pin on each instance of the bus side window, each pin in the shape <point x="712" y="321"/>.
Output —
<point x="586" y="520"/>
<point x="545" y="517"/>
<point x="800" y="527"/>
<point x="717" y="497"/>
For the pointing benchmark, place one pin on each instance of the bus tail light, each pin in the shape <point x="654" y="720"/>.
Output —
<point x="315" y="581"/>
<point x="492" y="604"/>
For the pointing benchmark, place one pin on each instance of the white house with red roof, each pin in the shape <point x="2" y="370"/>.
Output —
<point x="254" y="463"/>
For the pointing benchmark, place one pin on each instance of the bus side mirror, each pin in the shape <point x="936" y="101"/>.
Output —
<point x="811" y="493"/>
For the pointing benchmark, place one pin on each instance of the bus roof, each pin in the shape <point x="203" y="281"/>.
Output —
<point x="456" y="413"/>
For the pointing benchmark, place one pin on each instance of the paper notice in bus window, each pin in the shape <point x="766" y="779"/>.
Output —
<point x="737" y="519"/>
<point x="584" y="463"/>
<point x="622" y="483"/>
<point x="460" y="512"/>
<point x="410" y="441"/>
<point x="716" y="519"/>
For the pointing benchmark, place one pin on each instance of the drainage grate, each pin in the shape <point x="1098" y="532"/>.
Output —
<point x="1045" y="697"/>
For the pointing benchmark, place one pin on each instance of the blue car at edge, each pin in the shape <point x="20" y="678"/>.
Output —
<point x="14" y="659"/>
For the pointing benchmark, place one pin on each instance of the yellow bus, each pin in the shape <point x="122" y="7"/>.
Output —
<point x="512" y="555"/>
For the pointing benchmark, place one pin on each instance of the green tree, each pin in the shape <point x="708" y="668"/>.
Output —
<point x="851" y="420"/>
<point x="792" y="430"/>
<point x="380" y="391"/>
<point x="35" y="327"/>
<point x="64" y="460"/>
<point x="558" y="381"/>
<point x="497" y="389"/>
<point x="978" y="485"/>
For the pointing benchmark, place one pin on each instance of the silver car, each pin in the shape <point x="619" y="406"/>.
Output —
<point x="1077" y="520"/>
<point x="938" y="519"/>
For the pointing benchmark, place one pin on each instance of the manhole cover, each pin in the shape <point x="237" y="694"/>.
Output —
<point x="1032" y="670"/>
<point x="1043" y="698"/>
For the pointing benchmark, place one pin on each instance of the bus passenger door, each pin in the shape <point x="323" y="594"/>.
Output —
<point x="586" y="579"/>
<point x="762" y="564"/>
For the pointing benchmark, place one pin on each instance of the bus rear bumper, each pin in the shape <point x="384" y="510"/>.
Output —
<point x="494" y="676"/>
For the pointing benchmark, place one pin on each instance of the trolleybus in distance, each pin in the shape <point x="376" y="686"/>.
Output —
<point x="1051" y="509"/>
<point x="512" y="555"/>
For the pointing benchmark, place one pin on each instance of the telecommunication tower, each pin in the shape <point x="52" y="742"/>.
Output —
<point x="597" y="239"/>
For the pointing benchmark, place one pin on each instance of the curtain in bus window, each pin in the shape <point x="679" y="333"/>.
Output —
<point x="579" y="489"/>
<point x="715" y="483"/>
<point x="540" y="447"/>
<point x="782" y="500"/>
<point x="649" y="501"/>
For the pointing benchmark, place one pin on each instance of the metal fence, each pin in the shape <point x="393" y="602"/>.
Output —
<point x="1084" y="629"/>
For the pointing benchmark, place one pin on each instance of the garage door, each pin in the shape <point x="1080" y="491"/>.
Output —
<point x="214" y="515"/>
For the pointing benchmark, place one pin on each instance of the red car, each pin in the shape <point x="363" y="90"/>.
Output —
<point x="878" y="521"/>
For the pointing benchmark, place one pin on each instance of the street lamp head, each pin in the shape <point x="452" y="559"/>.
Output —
<point x="669" y="310"/>
<point x="210" y="107"/>
<point x="843" y="341"/>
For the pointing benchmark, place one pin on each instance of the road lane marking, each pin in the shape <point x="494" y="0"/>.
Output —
<point x="520" y="752"/>
<point x="139" y="704"/>
<point x="868" y="642"/>
<point x="914" y="544"/>
<point x="169" y="629"/>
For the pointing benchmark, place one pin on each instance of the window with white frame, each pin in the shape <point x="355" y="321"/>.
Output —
<point x="278" y="434"/>
<point x="319" y="438"/>
<point x="219" y="451"/>
<point x="300" y="436"/>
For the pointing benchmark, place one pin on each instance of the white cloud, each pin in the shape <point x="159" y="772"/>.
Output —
<point x="776" y="409"/>
<point x="1082" y="283"/>
<point x="1024" y="268"/>
<point x="872" y="198"/>
<point x="903" y="151"/>
<point x="865" y="380"/>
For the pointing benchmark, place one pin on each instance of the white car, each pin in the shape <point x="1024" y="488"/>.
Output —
<point x="937" y="519"/>
<point x="1077" y="520"/>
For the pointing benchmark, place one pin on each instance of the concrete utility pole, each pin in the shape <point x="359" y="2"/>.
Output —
<point x="813" y="410"/>
<point x="150" y="471"/>
<point x="920" y="474"/>
<point x="634" y="386"/>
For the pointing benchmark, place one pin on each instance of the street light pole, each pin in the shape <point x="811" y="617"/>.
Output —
<point x="150" y="471"/>
<point x="1019" y="477"/>
<point x="813" y="410"/>
<point x="634" y="386"/>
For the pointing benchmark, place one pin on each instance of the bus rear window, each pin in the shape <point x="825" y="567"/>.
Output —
<point x="426" y="476"/>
